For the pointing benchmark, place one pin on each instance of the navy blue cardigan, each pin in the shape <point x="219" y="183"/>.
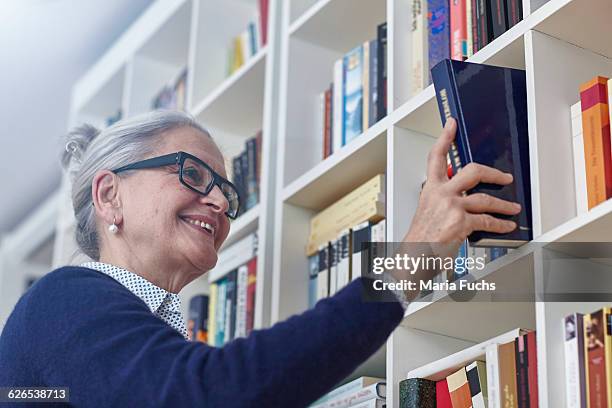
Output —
<point x="79" y="328"/>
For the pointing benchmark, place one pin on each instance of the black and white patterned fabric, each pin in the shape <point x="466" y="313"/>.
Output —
<point x="163" y="304"/>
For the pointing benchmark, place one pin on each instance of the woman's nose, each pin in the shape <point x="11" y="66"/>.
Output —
<point x="216" y="199"/>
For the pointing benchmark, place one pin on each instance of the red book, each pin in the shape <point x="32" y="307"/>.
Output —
<point x="443" y="399"/>
<point x="263" y="17"/>
<point x="458" y="29"/>
<point x="252" y="281"/>
<point x="532" y="363"/>
<point x="594" y="338"/>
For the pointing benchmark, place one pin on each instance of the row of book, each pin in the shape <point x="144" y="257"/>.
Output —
<point x="231" y="307"/>
<point x="500" y="372"/>
<point x="246" y="173"/>
<point x="590" y="124"/>
<point x="455" y="29"/>
<point x="357" y="97"/>
<point x="250" y="41"/>
<point x="588" y="359"/>
<point x="173" y="95"/>
<point x="363" y="392"/>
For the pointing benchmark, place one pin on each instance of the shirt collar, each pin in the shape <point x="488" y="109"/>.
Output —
<point x="151" y="294"/>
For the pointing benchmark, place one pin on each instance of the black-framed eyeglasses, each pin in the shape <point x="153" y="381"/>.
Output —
<point x="193" y="174"/>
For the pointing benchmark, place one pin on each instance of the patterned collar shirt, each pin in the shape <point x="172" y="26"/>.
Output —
<point x="163" y="304"/>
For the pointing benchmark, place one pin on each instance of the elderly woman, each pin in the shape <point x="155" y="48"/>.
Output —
<point x="153" y="206"/>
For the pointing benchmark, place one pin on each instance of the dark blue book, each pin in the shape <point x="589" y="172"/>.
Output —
<point x="381" y="71"/>
<point x="490" y="106"/>
<point x="438" y="27"/>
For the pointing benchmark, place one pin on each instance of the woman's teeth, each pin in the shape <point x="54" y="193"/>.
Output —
<point x="204" y="225"/>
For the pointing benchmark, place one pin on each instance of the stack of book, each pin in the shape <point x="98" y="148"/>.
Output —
<point x="197" y="321"/>
<point x="455" y="29"/>
<point x="588" y="359"/>
<point x="336" y="236"/>
<point x="231" y="308"/>
<point x="246" y="172"/>
<point x="250" y="41"/>
<point x="173" y="96"/>
<point x="590" y="121"/>
<point x="364" y="392"/>
<point x="501" y="372"/>
<point x="357" y="98"/>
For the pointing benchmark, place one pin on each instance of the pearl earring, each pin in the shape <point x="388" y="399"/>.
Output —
<point x="113" y="228"/>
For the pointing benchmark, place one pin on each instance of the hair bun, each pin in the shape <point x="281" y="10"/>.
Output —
<point x="77" y="142"/>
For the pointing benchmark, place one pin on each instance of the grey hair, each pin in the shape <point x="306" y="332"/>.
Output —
<point x="89" y="150"/>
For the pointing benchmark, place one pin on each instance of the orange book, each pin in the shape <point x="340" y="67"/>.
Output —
<point x="459" y="389"/>
<point x="597" y="149"/>
<point x="507" y="375"/>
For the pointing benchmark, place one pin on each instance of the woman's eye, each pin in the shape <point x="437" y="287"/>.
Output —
<point x="192" y="174"/>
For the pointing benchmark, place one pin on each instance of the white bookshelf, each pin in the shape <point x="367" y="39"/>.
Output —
<point x="560" y="44"/>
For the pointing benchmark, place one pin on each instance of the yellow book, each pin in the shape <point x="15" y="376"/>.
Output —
<point x="212" y="322"/>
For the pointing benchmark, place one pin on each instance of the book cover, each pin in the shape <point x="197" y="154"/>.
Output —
<point x="575" y="376"/>
<point x="459" y="389"/>
<point x="313" y="271"/>
<point x="373" y="87"/>
<point x="212" y="313"/>
<point x="458" y="29"/>
<point x="596" y="130"/>
<point x="532" y="368"/>
<point x="514" y="12"/>
<point x="242" y="284"/>
<point x="251" y="287"/>
<point x="353" y="94"/>
<point x="381" y="31"/>
<point x="420" y="46"/>
<point x="438" y="31"/>
<point x="499" y="23"/>
<point x="337" y="108"/>
<point x="417" y="393"/>
<point x="522" y="374"/>
<point x="507" y="375"/>
<point x="497" y="139"/>
<point x="477" y="379"/>
<point x="197" y="322"/>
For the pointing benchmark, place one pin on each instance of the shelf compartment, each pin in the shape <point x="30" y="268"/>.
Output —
<point x="342" y="172"/>
<point x="236" y="105"/>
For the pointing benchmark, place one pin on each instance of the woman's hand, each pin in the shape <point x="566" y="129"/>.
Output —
<point x="444" y="215"/>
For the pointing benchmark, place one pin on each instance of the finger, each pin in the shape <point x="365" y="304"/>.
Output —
<point x="436" y="161"/>
<point x="473" y="174"/>
<point x="485" y="203"/>
<point x="488" y="223"/>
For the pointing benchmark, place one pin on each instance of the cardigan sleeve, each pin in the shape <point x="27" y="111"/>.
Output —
<point x="103" y="343"/>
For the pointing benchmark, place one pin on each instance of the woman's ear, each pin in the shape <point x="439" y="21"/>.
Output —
<point x="105" y="196"/>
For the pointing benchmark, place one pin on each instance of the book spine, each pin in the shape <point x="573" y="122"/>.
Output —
<point x="259" y="149"/>
<point x="220" y="315"/>
<point x="458" y="29"/>
<point x="469" y="45"/>
<point x="532" y="369"/>
<point x="596" y="129"/>
<point x="353" y="95"/>
<point x="419" y="45"/>
<point x="323" y="275"/>
<point x="514" y="12"/>
<point x="333" y="267"/>
<point x="252" y="198"/>
<point x="263" y="15"/>
<point x="507" y="375"/>
<point x="337" y="108"/>
<point x="251" y="287"/>
<point x="382" y="70"/>
<point x="476" y="376"/>
<point x="474" y="20"/>
<point x="522" y="375"/>
<point x="499" y="23"/>
<point x="373" y="86"/>
<point x="493" y="386"/>
<point x="230" y="305"/>
<point x="580" y="179"/>
<point x="361" y="235"/>
<point x="313" y="269"/>
<point x="365" y="84"/>
<point x="482" y="23"/>
<point x="607" y="327"/>
<point x="328" y="122"/>
<point x="417" y="393"/>
<point x="438" y="31"/>
<point x="594" y="330"/>
<point x="212" y="307"/>
<point x="575" y="392"/>
<point x="244" y="169"/>
<point x="241" y="301"/>
<point x="459" y="389"/>
<point x="237" y="181"/>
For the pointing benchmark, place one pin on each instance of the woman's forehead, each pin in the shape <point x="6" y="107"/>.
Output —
<point x="193" y="141"/>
